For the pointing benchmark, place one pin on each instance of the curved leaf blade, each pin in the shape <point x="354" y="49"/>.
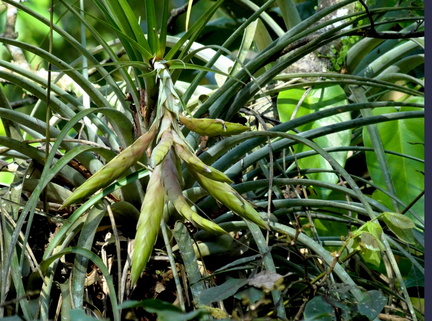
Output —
<point x="295" y="103"/>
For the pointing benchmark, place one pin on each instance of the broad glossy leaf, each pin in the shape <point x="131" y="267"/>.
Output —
<point x="414" y="278"/>
<point x="314" y="100"/>
<point x="319" y="309"/>
<point x="405" y="136"/>
<point x="372" y="304"/>
<point x="401" y="225"/>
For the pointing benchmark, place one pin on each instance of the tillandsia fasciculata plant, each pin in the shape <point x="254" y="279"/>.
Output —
<point x="138" y="148"/>
<point x="169" y="147"/>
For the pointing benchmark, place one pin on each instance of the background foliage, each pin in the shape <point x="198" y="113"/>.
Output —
<point x="314" y="211"/>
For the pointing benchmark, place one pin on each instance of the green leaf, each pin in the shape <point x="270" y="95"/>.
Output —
<point x="173" y="65"/>
<point x="319" y="309"/>
<point x="184" y="241"/>
<point x="163" y="30"/>
<point x="310" y="101"/>
<point x="402" y="226"/>
<point x="367" y="240"/>
<point x="415" y="278"/>
<point x="373" y="228"/>
<point x="405" y="136"/>
<point x="125" y="18"/>
<point x="152" y="33"/>
<point x="289" y="12"/>
<point x="372" y="304"/>
<point x="223" y="291"/>
<point x="371" y="256"/>
<point x="251" y="294"/>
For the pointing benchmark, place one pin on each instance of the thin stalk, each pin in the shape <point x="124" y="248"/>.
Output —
<point x="269" y="265"/>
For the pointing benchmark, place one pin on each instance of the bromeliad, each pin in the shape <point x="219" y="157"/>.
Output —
<point x="168" y="149"/>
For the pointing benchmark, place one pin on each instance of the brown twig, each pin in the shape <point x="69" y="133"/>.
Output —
<point x="10" y="33"/>
<point x="372" y="33"/>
